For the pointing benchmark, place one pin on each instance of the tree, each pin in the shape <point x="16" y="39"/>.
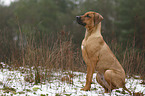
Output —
<point x="131" y="23"/>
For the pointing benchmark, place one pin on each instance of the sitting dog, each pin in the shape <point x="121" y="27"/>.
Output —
<point x="98" y="56"/>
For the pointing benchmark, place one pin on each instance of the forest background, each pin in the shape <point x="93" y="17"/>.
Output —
<point x="45" y="33"/>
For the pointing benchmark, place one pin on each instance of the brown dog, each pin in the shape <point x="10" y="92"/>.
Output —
<point x="98" y="56"/>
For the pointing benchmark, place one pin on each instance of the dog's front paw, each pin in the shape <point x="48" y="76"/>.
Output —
<point x="86" y="89"/>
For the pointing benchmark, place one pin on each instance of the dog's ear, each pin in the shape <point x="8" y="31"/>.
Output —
<point x="97" y="18"/>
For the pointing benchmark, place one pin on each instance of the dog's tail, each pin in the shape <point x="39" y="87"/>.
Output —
<point x="127" y="90"/>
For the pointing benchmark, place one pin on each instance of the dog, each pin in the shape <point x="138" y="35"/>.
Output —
<point x="98" y="56"/>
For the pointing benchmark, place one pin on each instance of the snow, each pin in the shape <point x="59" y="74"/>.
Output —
<point x="15" y="79"/>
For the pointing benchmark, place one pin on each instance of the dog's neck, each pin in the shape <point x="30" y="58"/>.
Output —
<point x="96" y="30"/>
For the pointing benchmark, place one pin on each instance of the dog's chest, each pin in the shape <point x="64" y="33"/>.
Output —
<point x="82" y="47"/>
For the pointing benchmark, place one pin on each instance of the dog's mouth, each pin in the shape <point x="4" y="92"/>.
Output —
<point x="80" y="21"/>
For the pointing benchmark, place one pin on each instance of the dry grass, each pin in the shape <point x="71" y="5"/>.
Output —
<point x="134" y="62"/>
<point x="63" y="55"/>
<point x="132" y="59"/>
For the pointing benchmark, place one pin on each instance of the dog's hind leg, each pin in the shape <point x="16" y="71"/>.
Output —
<point x="114" y="79"/>
<point x="111" y="80"/>
<point x="101" y="80"/>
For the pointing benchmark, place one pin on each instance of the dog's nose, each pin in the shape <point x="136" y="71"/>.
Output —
<point x="78" y="17"/>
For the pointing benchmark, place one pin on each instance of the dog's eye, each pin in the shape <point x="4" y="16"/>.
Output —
<point x="88" y="16"/>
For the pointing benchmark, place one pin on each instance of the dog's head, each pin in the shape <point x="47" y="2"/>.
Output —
<point x="89" y="19"/>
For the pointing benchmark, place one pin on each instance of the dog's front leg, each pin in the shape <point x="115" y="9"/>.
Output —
<point x="90" y="71"/>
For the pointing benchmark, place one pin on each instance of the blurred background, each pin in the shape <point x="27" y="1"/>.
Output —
<point x="45" y="32"/>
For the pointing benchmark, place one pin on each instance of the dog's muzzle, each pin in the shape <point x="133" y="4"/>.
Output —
<point x="80" y="21"/>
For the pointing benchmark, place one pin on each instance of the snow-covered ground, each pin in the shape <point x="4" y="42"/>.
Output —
<point x="13" y="82"/>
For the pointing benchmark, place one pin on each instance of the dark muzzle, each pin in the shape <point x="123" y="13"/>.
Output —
<point x="80" y="21"/>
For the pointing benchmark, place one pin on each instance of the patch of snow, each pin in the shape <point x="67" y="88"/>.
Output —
<point x="15" y="79"/>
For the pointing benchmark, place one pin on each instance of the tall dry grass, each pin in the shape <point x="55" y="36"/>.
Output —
<point x="46" y="56"/>
<point x="132" y="59"/>
<point x="62" y="54"/>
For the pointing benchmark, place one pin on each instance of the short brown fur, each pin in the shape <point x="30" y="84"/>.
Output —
<point x="98" y="56"/>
